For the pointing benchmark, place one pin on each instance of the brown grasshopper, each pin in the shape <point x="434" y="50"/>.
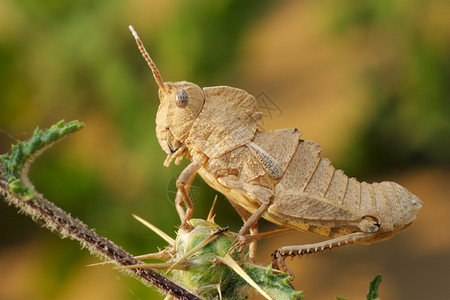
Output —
<point x="270" y="174"/>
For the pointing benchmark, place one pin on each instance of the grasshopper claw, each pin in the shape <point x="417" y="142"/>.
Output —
<point x="241" y="242"/>
<point x="279" y="263"/>
<point x="186" y="225"/>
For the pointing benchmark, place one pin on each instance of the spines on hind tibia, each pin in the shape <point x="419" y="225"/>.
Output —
<point x="280" y="254"/>
<point x="358" y="237"/>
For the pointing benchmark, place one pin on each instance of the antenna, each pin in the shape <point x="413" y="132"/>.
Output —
<point x="150" y="62"/>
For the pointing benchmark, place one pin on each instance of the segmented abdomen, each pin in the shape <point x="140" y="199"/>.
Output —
<point x="311" y="189"/>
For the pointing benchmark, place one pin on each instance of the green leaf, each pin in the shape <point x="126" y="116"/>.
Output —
<point x="373" y="288"/>
<point x="25" y="152"/>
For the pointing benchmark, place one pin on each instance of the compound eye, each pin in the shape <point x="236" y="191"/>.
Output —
<point x="181" y="98"/>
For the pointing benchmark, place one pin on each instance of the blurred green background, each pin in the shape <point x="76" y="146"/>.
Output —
<point x="368" y="80"/>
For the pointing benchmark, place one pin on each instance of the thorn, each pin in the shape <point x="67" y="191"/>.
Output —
<point x="155" y="229"/>
<point x="211" y="211"/>
<point x="219" y="290"/>
<point x="158" y="255"/>
<point x="167" y="265"/>
<point x="230" y="262"/>
<point x="101" y="263"/>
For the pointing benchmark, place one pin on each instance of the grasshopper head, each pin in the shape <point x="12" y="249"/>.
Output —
<point x="180" y="104"/>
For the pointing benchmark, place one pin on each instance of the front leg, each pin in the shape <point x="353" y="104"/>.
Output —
<point x="184" y="182"/>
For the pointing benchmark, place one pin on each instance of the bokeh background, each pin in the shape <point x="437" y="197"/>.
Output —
<point x="368" y="80"/>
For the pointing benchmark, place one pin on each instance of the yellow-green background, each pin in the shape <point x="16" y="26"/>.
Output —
<point x="368" y="80"/>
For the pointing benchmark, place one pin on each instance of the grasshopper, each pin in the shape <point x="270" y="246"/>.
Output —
<point x="271" y="174"/>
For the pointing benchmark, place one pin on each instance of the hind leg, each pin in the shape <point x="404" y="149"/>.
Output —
<point x="279" y="255"/>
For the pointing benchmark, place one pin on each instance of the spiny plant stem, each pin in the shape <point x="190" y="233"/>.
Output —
<point x="33" y="204"/>
<point x="58" y="220"/>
